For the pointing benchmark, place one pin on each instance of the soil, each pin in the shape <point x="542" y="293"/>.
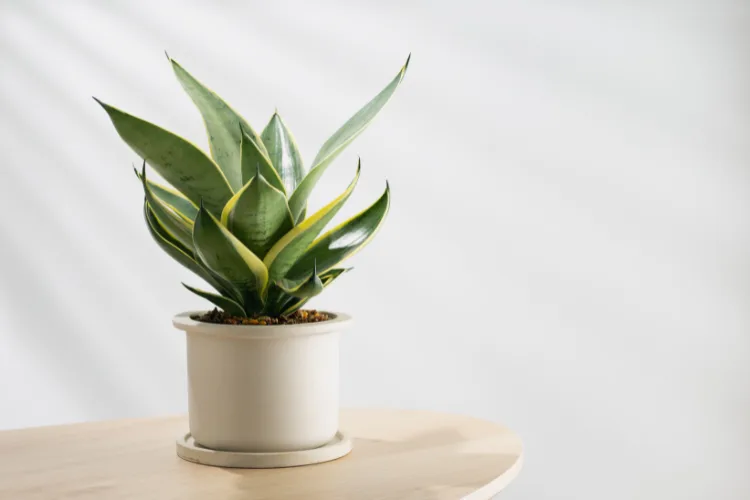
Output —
<point x="301" y="316"/>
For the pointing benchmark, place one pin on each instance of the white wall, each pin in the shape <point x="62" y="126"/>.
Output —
<point x="567" y="250"/>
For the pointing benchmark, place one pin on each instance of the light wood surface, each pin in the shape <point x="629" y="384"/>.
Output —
<point x="397" y="455"/>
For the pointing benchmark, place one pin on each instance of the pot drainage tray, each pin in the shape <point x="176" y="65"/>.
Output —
<point x="189" y="450"/>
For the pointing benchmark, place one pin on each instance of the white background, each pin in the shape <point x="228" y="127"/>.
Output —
<point x="567" y="250"/>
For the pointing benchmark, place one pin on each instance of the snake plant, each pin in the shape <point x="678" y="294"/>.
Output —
<point x="237" y="217"/>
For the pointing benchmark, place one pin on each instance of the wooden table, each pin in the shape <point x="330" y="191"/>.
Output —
<point x="397" y="455"/>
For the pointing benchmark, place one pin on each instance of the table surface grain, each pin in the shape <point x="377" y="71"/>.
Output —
<point x="397" y="455"/>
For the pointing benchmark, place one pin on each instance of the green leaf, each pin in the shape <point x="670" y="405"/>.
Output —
<point x="253" y="159"/>
<point x="222" y="125"/>
<point x="343" y="240"/>
<point x="178" y="161"/>
<point x="227" y="304"/>
<point x="339" y="140"/>
<point x="327" y="278"/>
<point x="174" y="249"/>
<point x="258" y="215"/>
<point x="169" y="196"/>
<point x="306" y="289"/>
<point x="283" y="152"/>
<point x="221" y="252"/>
<point x="175" y="224"/>
<point x="293" y="244"/>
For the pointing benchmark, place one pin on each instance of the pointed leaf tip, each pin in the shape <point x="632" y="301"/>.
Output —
<point x="251" y="152"/>
<point x="283" y="153"/>
<point x="406" y="66"/>
<point x="169" y="59"/>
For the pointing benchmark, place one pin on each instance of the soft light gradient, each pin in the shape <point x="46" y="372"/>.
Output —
<point x="567" y="250"/>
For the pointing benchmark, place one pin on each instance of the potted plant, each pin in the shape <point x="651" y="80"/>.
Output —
<point x="262" y="372"/>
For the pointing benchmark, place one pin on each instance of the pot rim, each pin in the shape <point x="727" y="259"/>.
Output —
<point x="338" y="321"/>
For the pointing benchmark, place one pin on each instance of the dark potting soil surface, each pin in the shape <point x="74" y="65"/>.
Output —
<point x="301" y="316"/>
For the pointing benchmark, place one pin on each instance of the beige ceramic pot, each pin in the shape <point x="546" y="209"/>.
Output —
<point x="263" y="388"/>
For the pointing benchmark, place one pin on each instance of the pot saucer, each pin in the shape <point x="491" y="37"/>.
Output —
<point x="189" y="450"/>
